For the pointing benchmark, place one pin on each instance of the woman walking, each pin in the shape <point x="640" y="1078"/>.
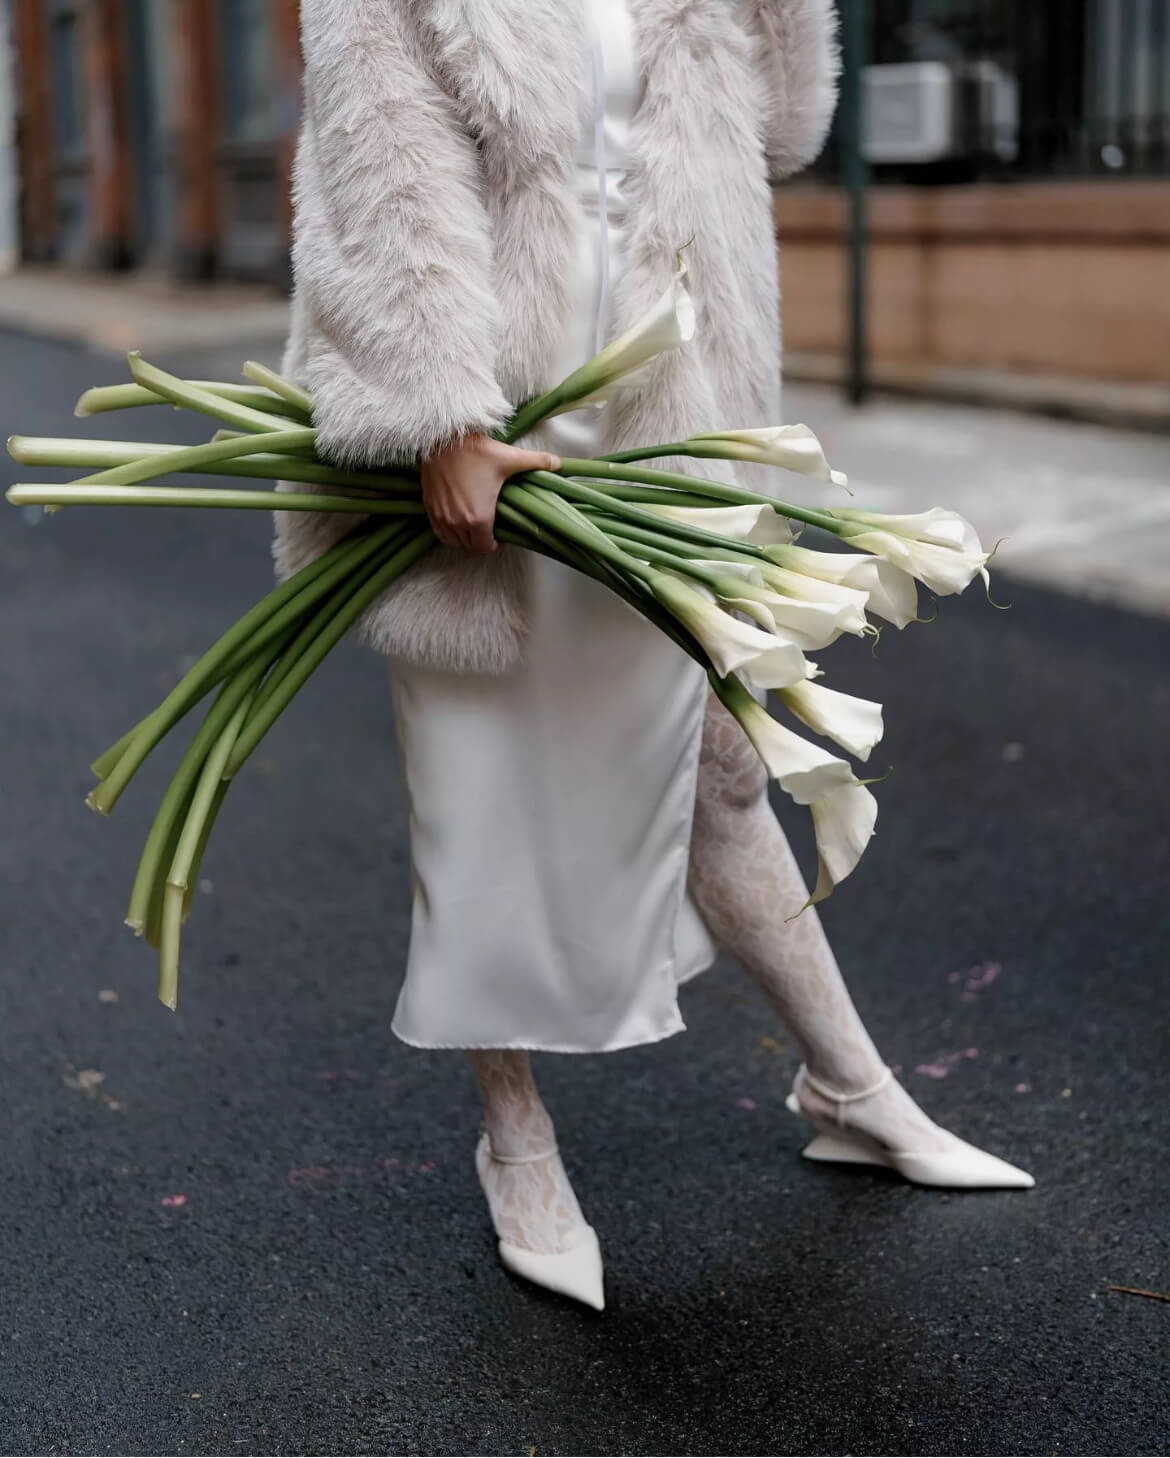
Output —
<point x="486" y="192"/>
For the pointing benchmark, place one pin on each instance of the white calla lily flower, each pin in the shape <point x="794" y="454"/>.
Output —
<point x="730" y="644"/>
<point x="669" y="324"/>
<point x="844" y="821"/>
<point x="890" y="591"/>
<point x="940" y="548"/>
<point x="849" y="602"/>
<point x="791" y="447"/>
<point x="938" y="526"/>
<point x="804" y="771"/>
<point x="808" y="622"/>
<point x="758" y="524"/>
<point x="855" y="724"/>
<point x="811" y="625"/>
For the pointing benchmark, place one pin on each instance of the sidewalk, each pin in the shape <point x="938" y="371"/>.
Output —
<point x="1079" y="507"/>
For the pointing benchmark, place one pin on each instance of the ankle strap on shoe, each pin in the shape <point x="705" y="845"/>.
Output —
<point x="521" y="1158"/>
<point x="841" y="1099"/>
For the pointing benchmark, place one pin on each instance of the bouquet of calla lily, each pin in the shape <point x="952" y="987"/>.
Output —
<point x="713" y="566"/>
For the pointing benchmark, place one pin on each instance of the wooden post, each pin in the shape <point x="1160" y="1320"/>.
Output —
<point x="38" y="213"/>
<point x="197" y="112"/>
<point x="110" y="203"/>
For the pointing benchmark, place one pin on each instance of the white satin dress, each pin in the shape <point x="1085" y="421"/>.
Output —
<point x="550" y="807"/>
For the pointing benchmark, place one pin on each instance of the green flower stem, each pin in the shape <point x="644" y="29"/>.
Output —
<point x="312" y="624"/>
<point x="545" y="507"/>
<point x="152" y="931"/>
<point x="259" y="723"/>
<point x="179" y="875"/>
<point x="119" y="763"/>
<point x="298" y="615"/>
<point x="206" y="402"/>
<point x="746" y="552"/>
<point x="104" y="398"/>
<point x="709" y="450"/>
<point x="204" y="836"/>
<point x="522" y="532"/>
<point x="531" y="414"/>
<point x="106" y="761"/>
<point x="731" y="693"/>
<point x="606" y="470"/>
<point x="31" y="450"/>
<point x="671" y="561"/>
<point x="653" y="495"/>
<point x="151" y="864"/>
<point x="25" y="494"/>
<point x="513" y="525"/>
<point x="649" y="453"/>
<point x="195" y="458"/>
<point x="291" y="393"/>
<point x="632" y="513"/>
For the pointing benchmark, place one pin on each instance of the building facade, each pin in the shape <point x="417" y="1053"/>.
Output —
<point x="157" y="133"/>
<point x="1019" y="207"/>
<point x="1018" y="212"/>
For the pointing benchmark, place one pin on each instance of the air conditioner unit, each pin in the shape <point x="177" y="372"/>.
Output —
<point x="932" y="111"/>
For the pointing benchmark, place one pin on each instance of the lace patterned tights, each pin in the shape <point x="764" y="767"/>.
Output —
<point x="746" y="883"/>
<point x="532" y="1203"/>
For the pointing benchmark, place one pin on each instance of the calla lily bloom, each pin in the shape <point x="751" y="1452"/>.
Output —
<point x="891" y="592"/>
<point x="758" y="524"/>
<point x="791" y="447"/>
<point x="844" y="821"/>
<point x="938" y="547"/>
<point x="773" y="661"/>
<point x="667" y="325"/>
<point x="809" y="624"/>
<point x="804" y="771"/>
<point x="850" y="603"/>
<point x="855" y="724"/>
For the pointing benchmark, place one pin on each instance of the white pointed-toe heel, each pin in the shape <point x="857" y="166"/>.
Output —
<point x="960" y="1166"/>
<point x="576" y="1272"/>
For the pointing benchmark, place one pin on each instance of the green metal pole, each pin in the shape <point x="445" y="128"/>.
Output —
<point x="855" y="37"/>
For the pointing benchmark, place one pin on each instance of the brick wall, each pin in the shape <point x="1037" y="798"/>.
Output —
<point x="1050" y="278"/>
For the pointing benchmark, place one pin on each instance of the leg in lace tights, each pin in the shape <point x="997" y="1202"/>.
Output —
<point x="746" y="883"/>
<point x="532" y="1204"/>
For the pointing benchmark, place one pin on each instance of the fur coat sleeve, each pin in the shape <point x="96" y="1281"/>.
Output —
<point x="392" y="245"/>
<point x="802" y="62"/>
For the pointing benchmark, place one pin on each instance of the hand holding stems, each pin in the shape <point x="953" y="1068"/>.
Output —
<point x="461" y="486"/>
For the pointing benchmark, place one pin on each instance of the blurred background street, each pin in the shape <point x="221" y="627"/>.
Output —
<point x="254" y="1226"/>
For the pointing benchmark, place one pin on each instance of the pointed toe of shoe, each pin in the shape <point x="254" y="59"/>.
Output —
<point x="963" y="1168"/>
<point x="576" y="1273"/>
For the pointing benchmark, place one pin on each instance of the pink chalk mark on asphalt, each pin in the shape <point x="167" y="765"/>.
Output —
<point x="173" y="1202"/>
<point x="975" y="980"/>
<point x="946" y="1063"/>
<point x="746" y="1104"/>
<point x="1023" y="1088"/>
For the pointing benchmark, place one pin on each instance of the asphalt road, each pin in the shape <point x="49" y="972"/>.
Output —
<point x="254" y="1227"/>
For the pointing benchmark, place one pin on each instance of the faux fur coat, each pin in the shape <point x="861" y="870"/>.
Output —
<point x="433" y="229"/>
